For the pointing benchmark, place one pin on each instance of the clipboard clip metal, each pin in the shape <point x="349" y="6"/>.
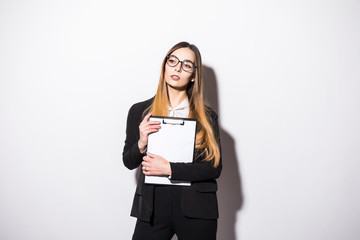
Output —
<point x="173" y="121"/>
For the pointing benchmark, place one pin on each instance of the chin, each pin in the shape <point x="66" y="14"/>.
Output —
<point x="179" y="87"/>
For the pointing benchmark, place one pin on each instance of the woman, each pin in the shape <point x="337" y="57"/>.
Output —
<point x="190" y="212"/>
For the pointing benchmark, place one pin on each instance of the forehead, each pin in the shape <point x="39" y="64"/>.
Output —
<point x="184" y="53"/>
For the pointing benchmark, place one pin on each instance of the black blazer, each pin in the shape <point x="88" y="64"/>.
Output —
<point x="199" y="200"/>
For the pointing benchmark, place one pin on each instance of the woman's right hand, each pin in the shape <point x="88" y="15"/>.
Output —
<point x="145" y="128"/>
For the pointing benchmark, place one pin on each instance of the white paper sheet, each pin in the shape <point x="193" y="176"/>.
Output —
<point x="175" y="142"/>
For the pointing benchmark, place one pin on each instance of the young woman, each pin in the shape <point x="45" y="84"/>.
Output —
<point x="190" y="212"/>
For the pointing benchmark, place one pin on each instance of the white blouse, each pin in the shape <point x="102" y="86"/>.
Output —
<point x="182" y="110"/>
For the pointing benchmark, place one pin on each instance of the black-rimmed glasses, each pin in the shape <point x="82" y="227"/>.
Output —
<point x="186" y="65"/>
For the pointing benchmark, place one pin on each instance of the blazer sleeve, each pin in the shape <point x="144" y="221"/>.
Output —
<point x="132" y="157"/>
<point x="199" y="170"/>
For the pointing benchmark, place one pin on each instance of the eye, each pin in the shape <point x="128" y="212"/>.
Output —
<point x="188" y="65"/>
<point x="173" y="60"/>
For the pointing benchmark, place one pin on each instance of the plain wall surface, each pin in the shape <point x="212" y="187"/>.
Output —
<point x="284" y="77"/>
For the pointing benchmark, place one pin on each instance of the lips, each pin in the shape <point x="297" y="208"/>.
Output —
<point x="175" y="77"/>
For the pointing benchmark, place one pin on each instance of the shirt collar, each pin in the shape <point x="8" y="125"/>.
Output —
<point x="184" y="104"/>
<point x="182" y="110"/>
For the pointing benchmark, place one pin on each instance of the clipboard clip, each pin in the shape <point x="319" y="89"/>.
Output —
<point x="173" y="121"/>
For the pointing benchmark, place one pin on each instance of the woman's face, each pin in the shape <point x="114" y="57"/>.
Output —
<point x="176" y="77"/>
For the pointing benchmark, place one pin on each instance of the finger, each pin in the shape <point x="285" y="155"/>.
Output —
<point x="151" y="127"/>
<point x="153" y="122"/>
<point x="145" y="126"/>
<point x="151" y="155"/>
<point x="150" y="131"/>
<point x="144" y="132"/>
<point x="146" y="160"/>
<point x="146" y="118"/>
<point x="150" y="124"/>
<point x="147" y="131"/>
<point x="146" y="170"/>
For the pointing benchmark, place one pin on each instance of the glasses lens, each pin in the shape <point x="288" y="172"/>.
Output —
<point x="188" y="66"/>
<point x="172" y="61"/>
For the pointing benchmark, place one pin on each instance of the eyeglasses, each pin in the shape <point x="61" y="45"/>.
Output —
<point x="186" y="65"/>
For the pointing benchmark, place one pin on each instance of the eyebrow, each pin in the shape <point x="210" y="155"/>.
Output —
<point x="181" y="60"/>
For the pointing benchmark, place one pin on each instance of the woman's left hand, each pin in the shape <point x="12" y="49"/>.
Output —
<point x="155" y="165"/>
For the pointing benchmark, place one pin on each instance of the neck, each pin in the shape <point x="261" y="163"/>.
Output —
<point x="176" y="97"/>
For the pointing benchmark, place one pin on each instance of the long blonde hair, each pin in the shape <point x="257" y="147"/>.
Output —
<point x="205" y="138"/>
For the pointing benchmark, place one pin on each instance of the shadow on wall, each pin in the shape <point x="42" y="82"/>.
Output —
<point x="230" y="190"/>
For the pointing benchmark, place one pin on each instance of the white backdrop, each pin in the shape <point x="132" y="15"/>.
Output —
<point x="284" y="77"/>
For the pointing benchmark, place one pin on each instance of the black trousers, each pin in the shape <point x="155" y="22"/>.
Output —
<point x="168" y="220"/>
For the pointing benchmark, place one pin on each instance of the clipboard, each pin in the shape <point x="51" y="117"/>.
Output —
<point x="175" y="141"/>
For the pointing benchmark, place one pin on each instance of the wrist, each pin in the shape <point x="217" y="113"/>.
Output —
<point x="141" y="147"/>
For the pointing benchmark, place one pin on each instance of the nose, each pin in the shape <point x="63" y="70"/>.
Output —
<point x="178" y="67"/>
